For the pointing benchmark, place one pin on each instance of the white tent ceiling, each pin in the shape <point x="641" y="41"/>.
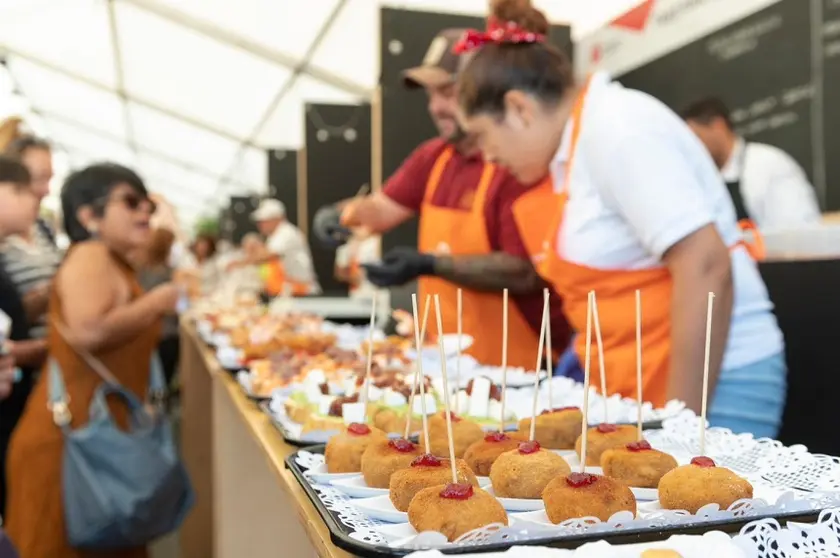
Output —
<point x="192" y="92"/>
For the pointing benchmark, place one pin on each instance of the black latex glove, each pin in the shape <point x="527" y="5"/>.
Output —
<point x="326" y="224"/>
<point x="399" y="266"/>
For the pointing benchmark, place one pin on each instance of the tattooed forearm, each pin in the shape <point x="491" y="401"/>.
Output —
<point x="490" y="272"/>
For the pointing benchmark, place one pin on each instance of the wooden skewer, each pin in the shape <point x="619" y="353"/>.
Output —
<point x="549" y="358"/>
<point x="537" y="373"/>
<point x="600" y="355"/>
<point x="504" y="357"/>
<point x="418" y="365"/>
<point x="445" y="391"/>
<point x="460" y="301"/>
<point x="639" y="362"/>
<point x="706" y="373"/>
<point x="586" y="367"/>
<point x="366" y="392"/>
<point x="422" y="379"/>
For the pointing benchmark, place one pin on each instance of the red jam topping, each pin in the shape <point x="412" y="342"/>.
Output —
<point x="453" y="416"/>
<point x="579" y="480"/>
<point x="496" y="437"/>
<point x="401" y="445"/>
<point x="703" y="461"/>
<point x="605" y="428"/>
<point x="527" y="448"/>
<point x="559" y="410"/>
<point x="454" y="491"/>
<point x="642" y="445"/>
<point x="426" y="460"/>
<point x="358" y="429"/>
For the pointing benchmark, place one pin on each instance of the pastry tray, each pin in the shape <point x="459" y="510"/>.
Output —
<point x="342" y="535"/>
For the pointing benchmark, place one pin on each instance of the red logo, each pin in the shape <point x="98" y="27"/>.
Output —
<point x="636" y="19"/>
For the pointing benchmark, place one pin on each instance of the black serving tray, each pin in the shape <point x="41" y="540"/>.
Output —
<point x="340" y="533"/>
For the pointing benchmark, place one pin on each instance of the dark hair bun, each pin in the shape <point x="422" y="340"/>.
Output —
<point x="521" y="12"/>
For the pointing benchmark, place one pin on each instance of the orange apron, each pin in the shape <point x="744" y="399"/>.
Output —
<point x="275" y="283"/>
<point x="453" y="231"/>
<point x="616" y="293"/>
<point x="354" y="274"/>
<point x="534" y="213"/>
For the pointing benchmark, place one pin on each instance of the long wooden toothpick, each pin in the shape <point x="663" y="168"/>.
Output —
<point x="600" y="356"/>
<point x="366" y="392"/>
<point x="548" y="352"/>
<point x="418" y="364"/>
<point x="709" y="310"/>
<point x="445" y="391"/>
<point x="460" y="307"/>
<point x="639" y="363"/>
<point x="586" y="367"/>
<point x="537" y="370"/>
<point x="419" y="346"/>
<point x="504" y="357"/>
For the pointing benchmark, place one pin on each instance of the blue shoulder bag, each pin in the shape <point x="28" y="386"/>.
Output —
<point x="120" y="488"/>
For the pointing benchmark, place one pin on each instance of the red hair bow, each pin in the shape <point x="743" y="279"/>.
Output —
<point x="497" y="32"/>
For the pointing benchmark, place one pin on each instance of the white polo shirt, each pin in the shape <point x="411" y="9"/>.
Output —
<point x="641" y="182"/>
<point x="776" y="191"/>
<point x="288" y="242"/>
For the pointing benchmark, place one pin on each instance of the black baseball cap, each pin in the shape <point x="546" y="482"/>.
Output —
<point x="440" y="65"/>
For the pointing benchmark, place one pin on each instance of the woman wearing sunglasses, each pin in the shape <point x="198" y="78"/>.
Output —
<point x="103" y="311"/>
<point x="642" y="206"/>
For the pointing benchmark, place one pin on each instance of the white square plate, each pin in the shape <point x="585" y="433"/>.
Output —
<point x="517" y="504"/>
<point x="321" y="476"/>
<point x="356" y="487"/>
<point x="381" y="508"/>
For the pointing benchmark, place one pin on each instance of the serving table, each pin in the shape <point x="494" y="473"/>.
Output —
<point x="247" y="503"/>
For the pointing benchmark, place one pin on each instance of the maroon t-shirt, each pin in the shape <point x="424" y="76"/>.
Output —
<point x="459" y="181"/>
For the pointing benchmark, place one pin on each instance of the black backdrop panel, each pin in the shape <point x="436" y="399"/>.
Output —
<point x="405" y="38"/>
<point x="830" y="33"/>
<point x="238" y="215"/>
<point x="282" y="180"/>
<point x="337" y="164"/>
<point x="807" y="307"/>
<point x="760" y="66"/>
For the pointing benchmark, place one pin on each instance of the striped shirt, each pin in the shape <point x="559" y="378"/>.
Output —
<point x="30" y="264"/>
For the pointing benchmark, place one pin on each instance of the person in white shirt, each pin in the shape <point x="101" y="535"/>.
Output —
<point x="766" y="185"/>
<point x="286" y="241"/>
<point x="348" y="264"/>
<point x="641" y="207"/>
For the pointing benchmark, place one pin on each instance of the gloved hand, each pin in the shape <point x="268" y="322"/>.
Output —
<point x="399" y="266"/>
<point x="328" y="228"/>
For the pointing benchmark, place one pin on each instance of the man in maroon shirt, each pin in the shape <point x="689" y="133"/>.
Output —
<point x="453" y="161"/>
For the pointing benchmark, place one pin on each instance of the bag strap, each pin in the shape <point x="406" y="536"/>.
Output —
<point x="58" y="398"/>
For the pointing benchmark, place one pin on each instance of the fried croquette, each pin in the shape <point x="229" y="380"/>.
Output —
<point x="343" y="453"/>
<point x="525" y="471"/>
<point x="425" y="471"/>
<point x="660" y="553"/>
<point x="556" y="429"/>
<point x="637" y="464"/>
<point x="382" y="458"/>
<point x="454" y="510"/>
<point x="586" y="495"/>
<point x="481" y="454"/>
<point x="464" y="434"/>
<point x="604" y="437"/>
<point x="693" y="486"/>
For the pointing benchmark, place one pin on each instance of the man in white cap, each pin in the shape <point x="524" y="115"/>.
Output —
<point x="285" y="248"/>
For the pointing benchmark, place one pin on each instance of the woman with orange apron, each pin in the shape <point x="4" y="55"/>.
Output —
<point x="640" y="207"/>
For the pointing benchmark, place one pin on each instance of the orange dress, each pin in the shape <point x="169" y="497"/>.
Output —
<point x="35" y="512"/>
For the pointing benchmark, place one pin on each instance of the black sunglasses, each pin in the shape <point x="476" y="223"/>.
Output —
<point x="132" y="201"/>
